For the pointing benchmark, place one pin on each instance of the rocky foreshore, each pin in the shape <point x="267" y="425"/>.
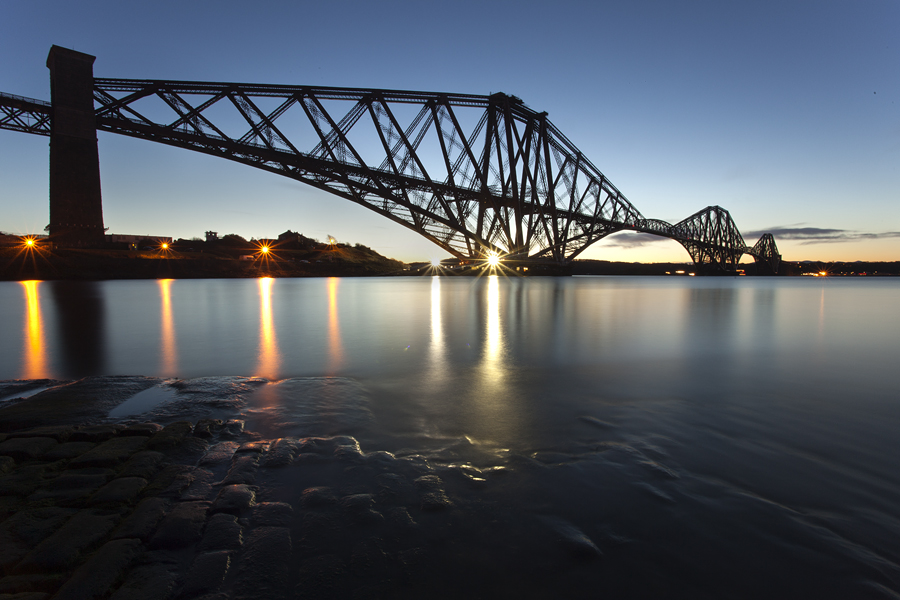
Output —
<point x="201" y="510"/>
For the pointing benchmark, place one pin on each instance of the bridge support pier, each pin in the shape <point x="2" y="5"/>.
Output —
<point x="76" y="209"/>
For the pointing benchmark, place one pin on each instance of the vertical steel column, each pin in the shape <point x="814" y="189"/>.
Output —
<point x="76" y="209"/>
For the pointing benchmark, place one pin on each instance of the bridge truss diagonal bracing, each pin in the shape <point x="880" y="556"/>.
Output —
<point x="477" y="175"/>
<point x="474" y="174"/>
<point x="25" y="114"/>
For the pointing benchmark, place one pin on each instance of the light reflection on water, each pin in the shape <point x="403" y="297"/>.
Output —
<point x="168" y="344"/>
<point x="34" y="352"/>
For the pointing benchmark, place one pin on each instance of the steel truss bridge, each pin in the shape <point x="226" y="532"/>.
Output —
<point x="476" y="175"/>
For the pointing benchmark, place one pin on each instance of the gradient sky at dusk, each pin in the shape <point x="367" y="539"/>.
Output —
<point x="787" y="113"/>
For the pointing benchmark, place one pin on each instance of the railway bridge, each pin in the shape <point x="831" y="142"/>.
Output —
<point x="478" y="175"/>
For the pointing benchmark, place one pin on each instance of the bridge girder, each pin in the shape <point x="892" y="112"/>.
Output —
<point x="25" y="114"/>
<point x="474" y="174"/>
<point x="765" y="254"/>
<point x="499" y="178"/>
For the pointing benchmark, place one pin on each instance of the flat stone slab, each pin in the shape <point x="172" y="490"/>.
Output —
<point x="145" y="463"/>
<point x="263" y="565"/>
<point x="243" y="469"/>
<point x="142" y="522"/>
<point x="111" y="452"/>
<point x="171" y="436"/>
<point x="272" y="514"/>
<point x="206" y="574"/>
<point x="123" y="489"/>
<point x="20" y="533"/>
<point x="95" y="578"/>
<point x="182" y="526"/>
<point x="234" y="499"/>
<point x="73" y="485"/>
<point x="29" y="448"/>
<point x="63" y="549"/>
<point x="223" y="532"/>
<point x="219" y="453"/>
<point x="68" y="450"/>
<point x="147" y="582"/>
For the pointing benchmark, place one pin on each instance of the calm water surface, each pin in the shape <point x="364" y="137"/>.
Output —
<point x="713" y="437"/>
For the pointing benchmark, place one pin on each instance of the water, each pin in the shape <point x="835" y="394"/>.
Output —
<point x="711" y="437"/>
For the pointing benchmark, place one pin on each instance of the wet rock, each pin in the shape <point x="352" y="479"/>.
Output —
<point x="201" y="487"/>
<point x="189" y="451"/>
<point x="29" y="448"/>
<point x="124" y="489"/>
<point x="145" y="463"/>
<point x="234" y="499"/>
<point x="110" y="453"/>
<point x="25" y="596"/>
<point x="25" y="480"/>
<point x="433" y="495"/>
<point x="73" y="485"/>
<point x="65" y="547"/>
<point x="206" y="574"/>
<point x="218" y="454"/>
<point x="400" y="517"/>
<point x="9" y="505"/>
<point x="96" y="577"/>
<point x="263" y="566"/>
<point x="368" y="560"/>
<point x="181" y="527"/>
<point x="223" y="532"/>
<point x="233" y="428"/>
<point x="272" y="514"/>
<point x="147" y="582"/>
<point x="317" y="496"/>
<point x="359" y="508"/>
<point x="7" y="464"/>
<point x="95" y="433"/>
<point x="19" y="584"/>
<point x="143" y="521"/>
<point x="205" y="428"/>
<point x="281" y="453"/>
<point x="20" y="533"/>
<point x="170" y="482"/>
<point x="142" y="429"/>
<point x="68" y="450"/>
<point x="243" y="469"/>
<point x="395" y="488"/>
<point x="322" y="576"/>
<point x="60" y="433"/>
<point x="171" y="436"/>
<point x="258" y="447"/>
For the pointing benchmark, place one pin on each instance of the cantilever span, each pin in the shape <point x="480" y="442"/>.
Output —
<point x="475" y="174"/>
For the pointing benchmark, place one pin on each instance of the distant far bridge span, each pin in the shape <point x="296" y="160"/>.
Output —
<point x="476" y="175"/>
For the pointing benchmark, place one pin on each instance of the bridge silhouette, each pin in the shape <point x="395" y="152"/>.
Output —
<point x="477" y="175"/>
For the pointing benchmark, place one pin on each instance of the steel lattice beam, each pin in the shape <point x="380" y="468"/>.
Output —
<point x="474" y="174"/>
<point x="25" y="114"/>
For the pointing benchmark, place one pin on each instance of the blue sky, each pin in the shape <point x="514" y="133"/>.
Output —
<point x="786" y="113"/>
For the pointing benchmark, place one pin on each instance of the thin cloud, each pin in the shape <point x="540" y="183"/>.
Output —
<point x="634" y="240"/>
<point x="818" y="235"/>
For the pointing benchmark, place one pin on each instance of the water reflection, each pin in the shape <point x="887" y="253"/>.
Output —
<point x="80" y="327"/>
<point x="335" y="348"/>
<point x="494" y="393"/>
<point x="35" y="351"/>
<point x="269" y="357"/>
<point x="436" y="353"/>
<point x="169" y="353"/>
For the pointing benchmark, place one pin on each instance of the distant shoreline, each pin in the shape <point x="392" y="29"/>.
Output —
<point x="343" y="261"/>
